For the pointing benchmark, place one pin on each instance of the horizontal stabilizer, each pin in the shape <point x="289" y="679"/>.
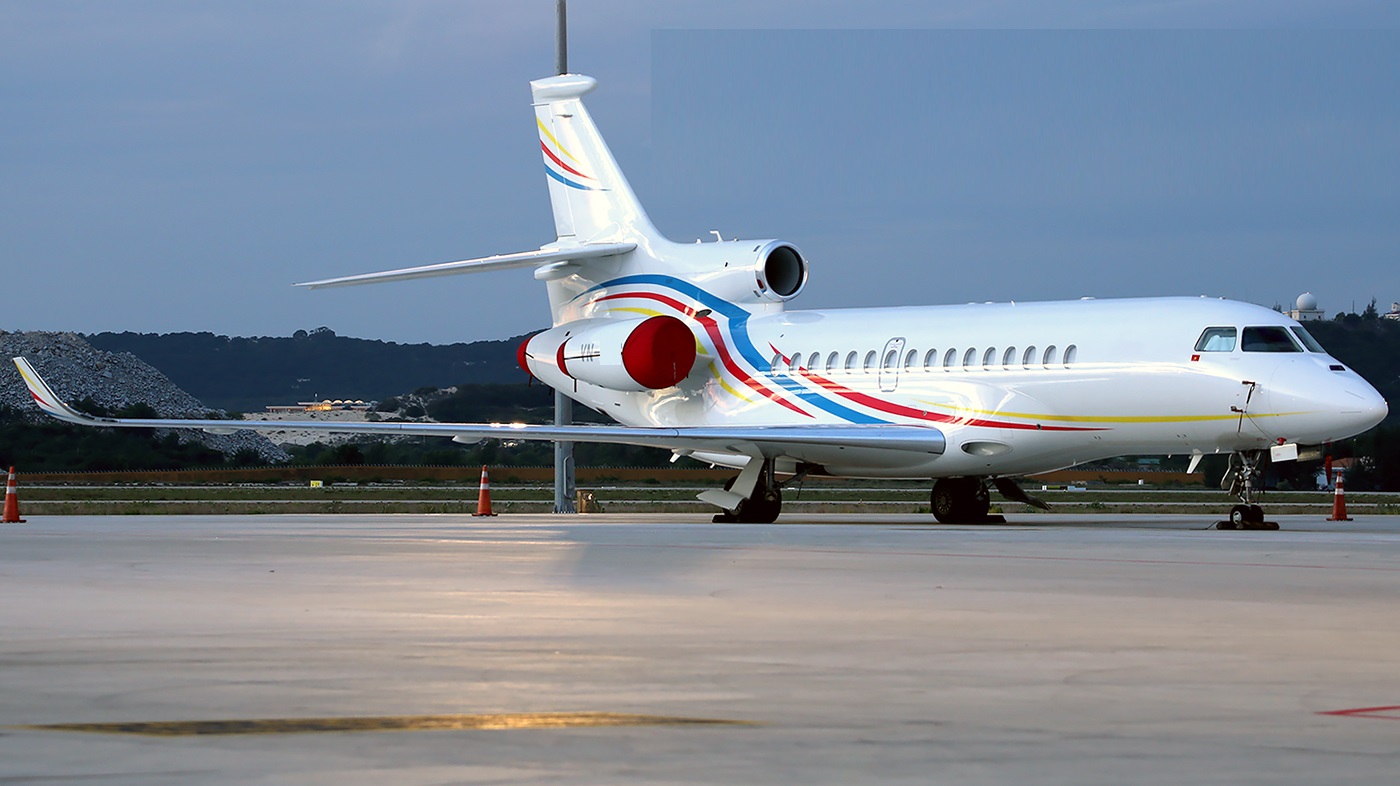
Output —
<point x="810" y="443"/>
<point x="543" y="256"/>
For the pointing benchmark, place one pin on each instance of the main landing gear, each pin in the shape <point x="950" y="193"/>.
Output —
<point x="761" y="506"/>
<point x="962" y="501"/>
<point x="1240" y="480"/>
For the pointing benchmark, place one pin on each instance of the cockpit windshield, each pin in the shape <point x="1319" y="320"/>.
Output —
<point x="1268" y="338"/>
<point x="1307" y="339"/>
<point x="1216" y="339"/>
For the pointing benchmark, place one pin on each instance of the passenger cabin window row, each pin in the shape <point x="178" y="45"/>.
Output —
<point x="971" y="359"/>
<point x="1265" y="338"/>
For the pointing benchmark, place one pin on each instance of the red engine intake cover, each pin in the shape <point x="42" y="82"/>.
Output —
<point x="520" y="354"/>
<point x="659" y="353"/>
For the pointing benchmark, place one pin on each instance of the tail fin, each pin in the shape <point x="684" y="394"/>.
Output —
<point x="592" y="200"/>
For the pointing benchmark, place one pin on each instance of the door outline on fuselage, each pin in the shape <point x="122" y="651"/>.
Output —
<point x="889" y="370"/>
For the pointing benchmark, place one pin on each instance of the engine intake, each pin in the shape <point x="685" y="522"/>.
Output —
<point x="781" y="271"/>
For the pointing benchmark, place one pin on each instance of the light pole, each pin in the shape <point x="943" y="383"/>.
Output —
<point x="563" y="405"/>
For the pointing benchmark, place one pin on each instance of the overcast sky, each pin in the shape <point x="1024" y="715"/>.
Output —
<point x="169" y="166"/>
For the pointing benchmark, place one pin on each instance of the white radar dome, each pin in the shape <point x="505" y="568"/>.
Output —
<point x="1307" y="302"/>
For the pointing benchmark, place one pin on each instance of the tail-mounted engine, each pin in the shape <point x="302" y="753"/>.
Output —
<point x="618" y="354"/>
<point x="748" y="271"/>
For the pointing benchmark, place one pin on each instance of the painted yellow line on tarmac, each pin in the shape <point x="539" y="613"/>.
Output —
<point x="520" y="720"/>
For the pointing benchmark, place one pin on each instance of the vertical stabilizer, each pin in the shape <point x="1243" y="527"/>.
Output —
<point x="591" y="199"/>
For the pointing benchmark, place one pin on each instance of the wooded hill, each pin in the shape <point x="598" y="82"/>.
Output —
<point x="247" y="374"/>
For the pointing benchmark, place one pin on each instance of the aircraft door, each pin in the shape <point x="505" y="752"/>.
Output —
<point x="891" y="360"/>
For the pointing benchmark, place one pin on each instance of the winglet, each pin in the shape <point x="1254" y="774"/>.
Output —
<point x="45" y="398"/>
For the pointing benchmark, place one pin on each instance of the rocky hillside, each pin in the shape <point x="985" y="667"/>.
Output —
<point x="112" y="380"/>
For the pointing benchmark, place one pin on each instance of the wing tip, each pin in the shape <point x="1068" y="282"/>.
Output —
<point x="43" y="395"/>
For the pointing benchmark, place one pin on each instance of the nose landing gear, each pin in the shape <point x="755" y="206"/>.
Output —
<point x="1240" y="480"/>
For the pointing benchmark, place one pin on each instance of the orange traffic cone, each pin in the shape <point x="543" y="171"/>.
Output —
<point x="483" y="498"/>
<point x="1339" y="502"/>
<point x="11" y="502"/>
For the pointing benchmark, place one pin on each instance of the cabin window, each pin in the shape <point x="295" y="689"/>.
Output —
<point x="1307" y="339"/>
<point x="870" y="361"/>
<point x="851" y="363"/>
<point x="1028" y="359"/>
<point x="911" y="360"/>
<point x="1217" y="339"/>
<point x="930" y="360"/>
<point x="1071" y="352"/>
<point x="777" y="364"/>
<point x="1267" y="339"/>
<point x="891" y="359"/>
<point x="988" y="358"/>
<point x="814" y="361"/>
<point x="949" y="358"/>
<point x="832" y="361"/>
<point x="1048" y="359"/>
<point x="1008" y="358"/>
<point x="969" y="357"/>
<point x="795" y="363"/>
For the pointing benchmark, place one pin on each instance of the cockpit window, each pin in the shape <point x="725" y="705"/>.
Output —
<point x="1217" y="339"/>
<point x="1307" y="339"/>
<point x="1268" y="339"/>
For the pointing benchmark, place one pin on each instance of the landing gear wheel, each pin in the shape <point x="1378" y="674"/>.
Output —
<point x="980" y="503"/>
<point x="1239" y="518"/>
<point x="944" y="502"/>
<point x="762" y="508"/>
<point x="1247" y="517"/>
<point x="960" y="500"/>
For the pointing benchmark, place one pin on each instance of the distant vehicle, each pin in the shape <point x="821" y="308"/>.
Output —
<point x="692" y="347"/>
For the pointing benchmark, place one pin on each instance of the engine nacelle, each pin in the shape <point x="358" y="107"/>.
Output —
<point x="748" y="271"/>
<point x="618" y="354"/>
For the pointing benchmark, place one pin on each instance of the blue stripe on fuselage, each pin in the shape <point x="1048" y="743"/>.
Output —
<point x="738" y="328"/>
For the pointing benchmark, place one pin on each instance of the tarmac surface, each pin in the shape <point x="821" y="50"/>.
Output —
<point x="413" y="649"/>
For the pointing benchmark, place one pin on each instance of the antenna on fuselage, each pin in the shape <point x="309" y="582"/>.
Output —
<point x="563" y="405"/>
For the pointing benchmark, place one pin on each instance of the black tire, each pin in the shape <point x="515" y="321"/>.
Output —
<point x="1256" y="514"/>
<point x="763" y="508"/>
<point x="979" y="500"/>
<point x="959" y="500"/>
<point x="943" y="501"/>
<point x="1239" y="516"/>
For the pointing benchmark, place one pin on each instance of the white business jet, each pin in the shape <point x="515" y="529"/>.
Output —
<point x="691" y="347"/>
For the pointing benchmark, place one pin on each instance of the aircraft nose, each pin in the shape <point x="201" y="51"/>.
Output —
<point x="1340" y="403"/>
<point x="1371" y="407"/>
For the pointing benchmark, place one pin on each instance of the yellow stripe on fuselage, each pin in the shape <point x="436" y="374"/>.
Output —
<point x="714" y="372"/>
<point x="646" y="312"/>
<point x="1108" y="418"/>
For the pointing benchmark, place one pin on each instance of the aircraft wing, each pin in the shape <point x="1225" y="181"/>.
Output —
<point x="816" y="443"/>
<point x="544" y="256"/>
